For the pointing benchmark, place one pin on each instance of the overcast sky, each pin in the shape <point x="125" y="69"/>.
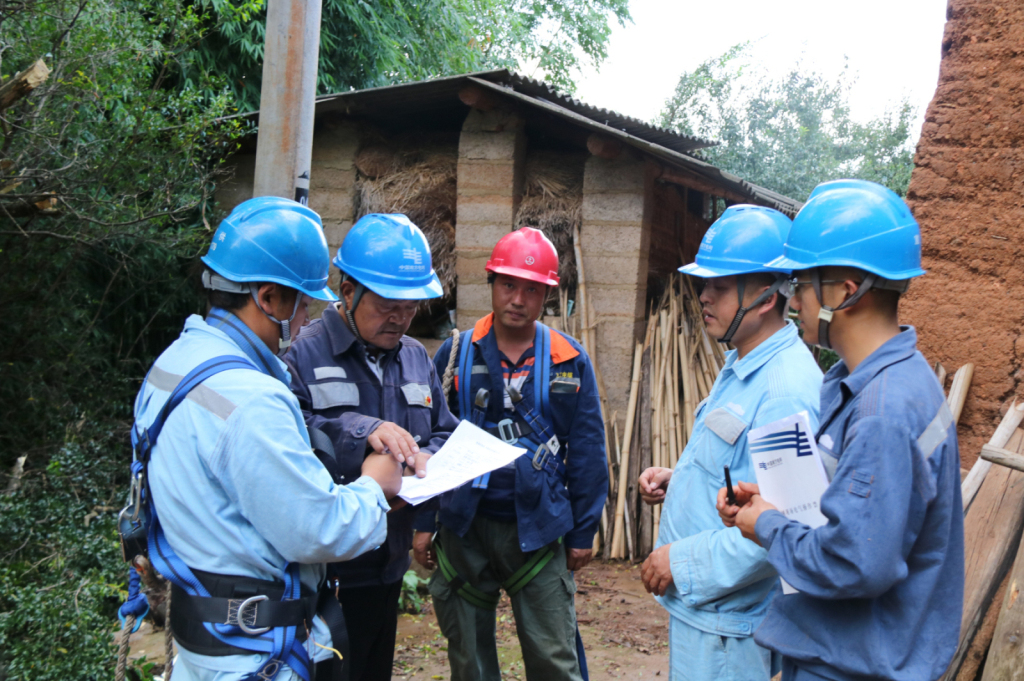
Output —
<point x="893" y="47"/>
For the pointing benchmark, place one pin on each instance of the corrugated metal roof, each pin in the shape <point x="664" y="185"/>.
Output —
<point x="436" y="103"/>
<point x="634" y="126"/>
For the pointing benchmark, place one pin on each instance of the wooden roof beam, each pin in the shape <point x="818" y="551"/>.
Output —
<point x="701" y="185"/>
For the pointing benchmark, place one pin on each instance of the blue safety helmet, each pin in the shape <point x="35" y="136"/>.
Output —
<point x="271" y="239"/>
<point x="275" y="240"/>
<point x="389" y="255"/>
<point x="742" y="242"/>
<point x="855" y="223"/>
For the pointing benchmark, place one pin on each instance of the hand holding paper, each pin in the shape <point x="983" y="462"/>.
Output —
<point x="469" y="453"/>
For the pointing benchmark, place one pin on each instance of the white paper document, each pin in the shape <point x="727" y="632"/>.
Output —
<point x="469" y="453"/>
<point x="789" y="470"/>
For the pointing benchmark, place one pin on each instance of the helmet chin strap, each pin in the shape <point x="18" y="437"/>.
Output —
<point x="357" y="295"/>
<point x="826" y="312"/>
<point x="285" y="325"/>
<point x="741" y="286"/>
<point x="215" y="282"/>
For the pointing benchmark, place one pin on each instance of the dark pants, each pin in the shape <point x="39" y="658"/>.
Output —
<point x="371" y="616"/>
<point x="544" y="609"/>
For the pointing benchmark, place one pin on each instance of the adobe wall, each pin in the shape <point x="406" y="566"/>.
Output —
<point x="967" y="192"/>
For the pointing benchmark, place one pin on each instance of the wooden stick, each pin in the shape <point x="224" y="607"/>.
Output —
<point x="1006" y="656"/>
<point x="958" y="390"/>
<point x="940" y="373"/>
<point x="972" y="483"/>
<point x="1003" y="457"/>
<point x="620" y="504"/>
<point x="992" y="529"/>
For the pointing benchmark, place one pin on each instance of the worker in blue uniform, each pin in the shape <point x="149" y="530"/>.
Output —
<point x="713" y="582"/>
<point x="523" y="528"/>
<point x="243" y="517"/>
<point x="364" y="383"/>
<point x="881" y="584"/>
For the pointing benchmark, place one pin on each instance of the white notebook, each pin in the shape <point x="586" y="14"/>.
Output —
<point x="789" y="470"/>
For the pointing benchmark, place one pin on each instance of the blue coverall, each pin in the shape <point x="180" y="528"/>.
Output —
<point x="342" y="396"/>
<point x="881" y="585"/>
<point x="237" y="487"/>
<point x="721" y="581"/>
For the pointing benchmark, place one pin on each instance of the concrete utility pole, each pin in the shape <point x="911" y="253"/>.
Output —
<point x="284" y="147"/>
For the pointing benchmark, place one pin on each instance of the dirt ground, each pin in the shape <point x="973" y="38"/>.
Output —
<point x="625" y="632"/>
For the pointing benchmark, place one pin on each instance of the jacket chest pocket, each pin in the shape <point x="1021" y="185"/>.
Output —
<point x="722" y="432"/>
<point x="420" y="401"/>
<point x="330" y="394"/>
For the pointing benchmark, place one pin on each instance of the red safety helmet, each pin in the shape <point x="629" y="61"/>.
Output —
<point x="527" y="254"/>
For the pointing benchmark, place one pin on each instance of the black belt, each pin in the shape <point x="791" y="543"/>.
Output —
<point x="248" y="603"/>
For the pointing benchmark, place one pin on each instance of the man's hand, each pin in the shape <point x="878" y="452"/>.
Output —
<point x="390" y="438"/>
<point x="746" y="519"/>
<point x="385" y="471"/>
<point x="577" y="559"/>
<point x="657" y="571"/>
<point x="654" y="485"/>
<point x="745" y="491"/>
<point x="423" y="549"/>
<point x="418" y="466"/>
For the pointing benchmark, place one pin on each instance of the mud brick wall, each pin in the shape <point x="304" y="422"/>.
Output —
<point x="616" y="240"/>
<point x="492" y="160"/>
<point x="967" y="192"/>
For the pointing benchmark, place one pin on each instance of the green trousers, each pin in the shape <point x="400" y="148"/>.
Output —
<point x="544" y="609"/>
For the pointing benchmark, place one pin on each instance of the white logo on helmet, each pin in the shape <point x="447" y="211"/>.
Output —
<point x="223" y="236"/>
<point x="417" y="260"/>
<point x="529" y="260"/>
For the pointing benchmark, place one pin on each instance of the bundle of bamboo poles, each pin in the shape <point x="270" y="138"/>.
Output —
<point x="673" y="371"/>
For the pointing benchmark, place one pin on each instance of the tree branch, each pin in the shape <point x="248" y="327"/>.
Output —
<point x="23" y="83"/>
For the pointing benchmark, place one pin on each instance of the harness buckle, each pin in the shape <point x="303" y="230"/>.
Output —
<point x="541" y="456"/>
<point x="482" y="397"/>
<point x="505" y="431"/>
<point x="513" y="394"/>
<point x="237" y="615"/>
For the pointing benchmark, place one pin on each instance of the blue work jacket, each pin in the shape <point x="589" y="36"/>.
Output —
<point x="340" y="395"/>
<point x="881" y="585"/>
<point x="236" y="485"/>
<point x="721" y="581"/>
<point x="548" y="506"/>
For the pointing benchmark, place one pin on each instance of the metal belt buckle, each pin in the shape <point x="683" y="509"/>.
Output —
<point x="237" y="616"/>
<point x="541" y="456"/>
<point x="505" y="431"/>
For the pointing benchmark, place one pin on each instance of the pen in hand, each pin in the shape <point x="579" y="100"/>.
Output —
<point x="729" y="492"/>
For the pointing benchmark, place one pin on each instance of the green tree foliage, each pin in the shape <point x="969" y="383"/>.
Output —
<point x="788" y="132"/>
<point x="105" y="175"/>
<point x="366" y="44"/>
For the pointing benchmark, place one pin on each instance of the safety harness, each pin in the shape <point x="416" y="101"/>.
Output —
<point x="741" y="286"/>
<point x="531" y="426"/>
<point x="219" y="614"/>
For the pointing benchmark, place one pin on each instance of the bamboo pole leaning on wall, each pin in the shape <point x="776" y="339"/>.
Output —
<point x="674" y="369"/>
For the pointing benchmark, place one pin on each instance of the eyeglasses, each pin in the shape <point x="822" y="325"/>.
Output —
<point x="795" y="283"/>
